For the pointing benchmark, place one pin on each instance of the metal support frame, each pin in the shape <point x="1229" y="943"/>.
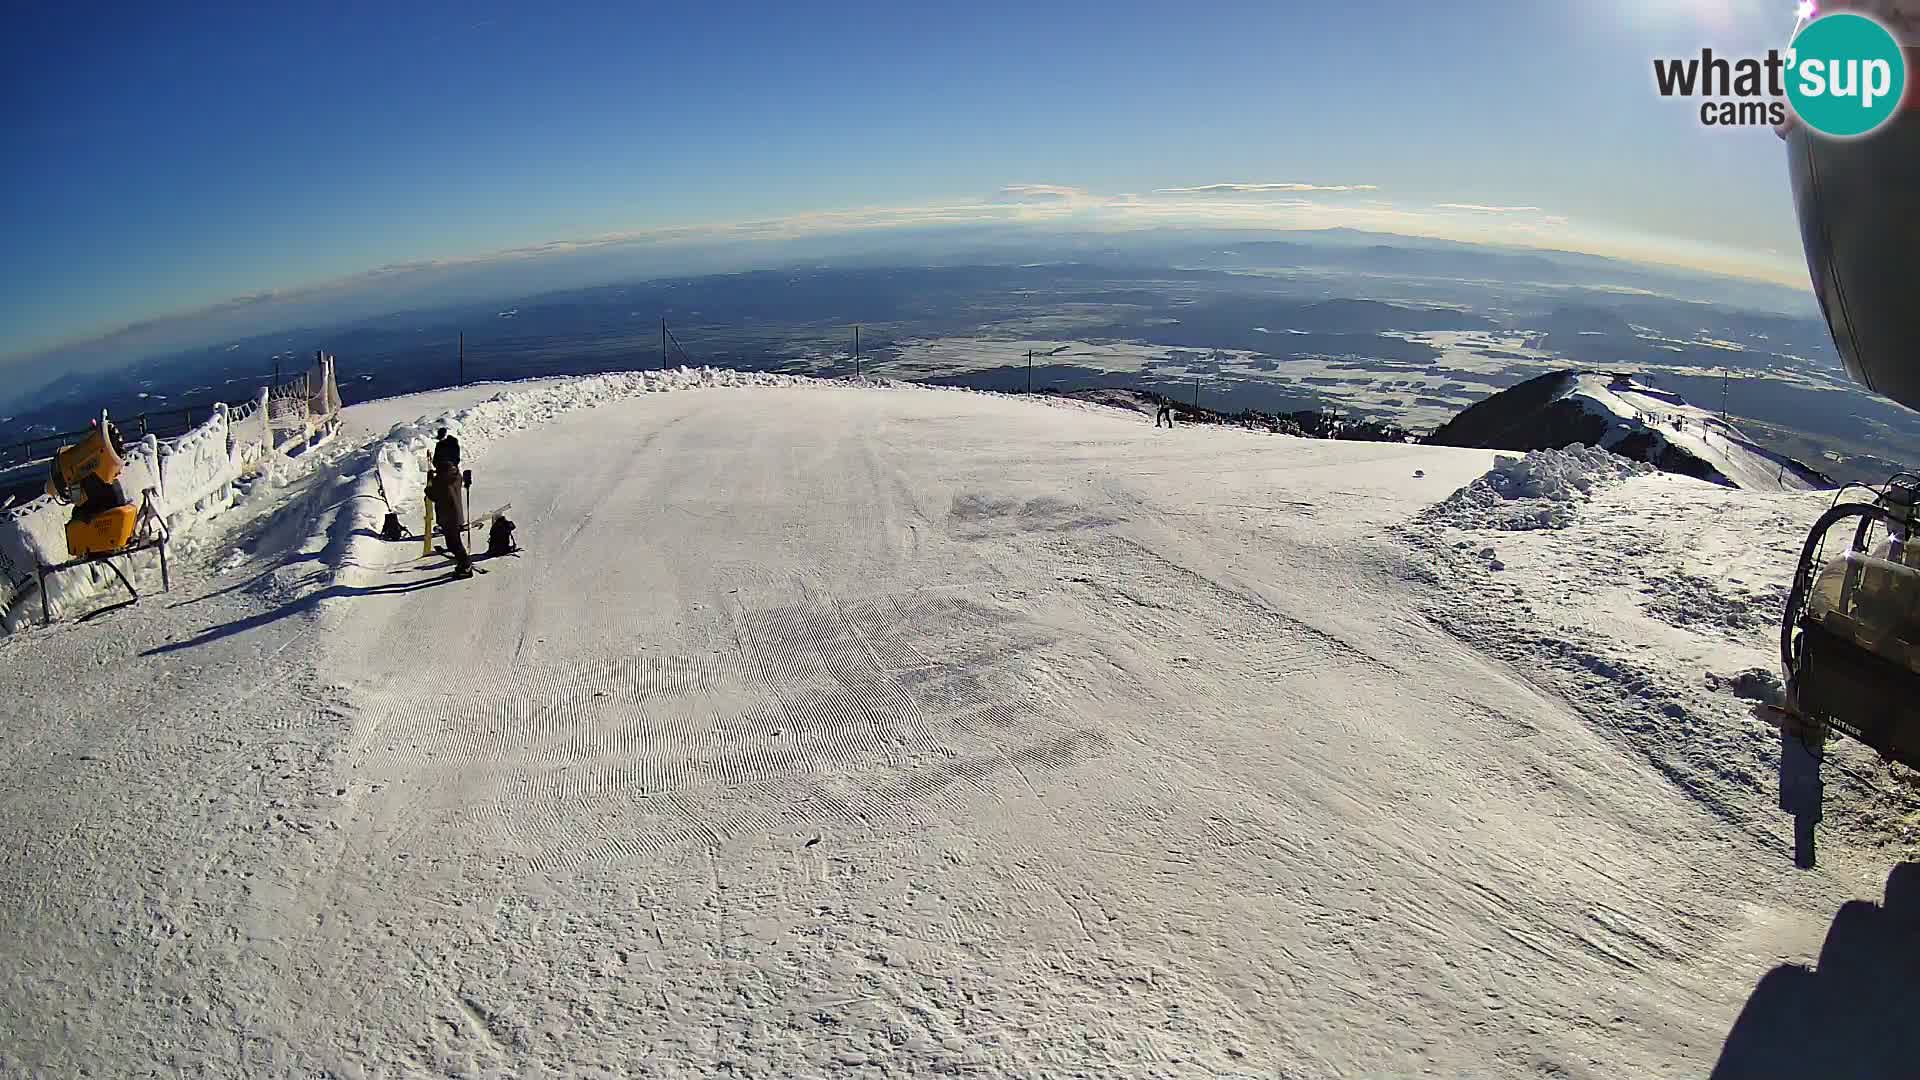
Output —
<point x="148" y="516"/>
<point x="1806" y="724"/>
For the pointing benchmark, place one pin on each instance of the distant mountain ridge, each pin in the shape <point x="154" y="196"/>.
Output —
<point x="1637" y="421"/>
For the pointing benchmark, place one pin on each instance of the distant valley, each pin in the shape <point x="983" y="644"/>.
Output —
<point x="1404" y="331"/>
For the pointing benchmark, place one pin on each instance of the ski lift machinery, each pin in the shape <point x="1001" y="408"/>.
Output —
<point x="1850" y="633"/>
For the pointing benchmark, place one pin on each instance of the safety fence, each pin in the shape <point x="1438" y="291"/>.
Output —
<point x="160" y="423"/>
<point x="189" y="478"/>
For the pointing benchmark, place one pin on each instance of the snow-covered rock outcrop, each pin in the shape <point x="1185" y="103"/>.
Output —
<point x="1631" y="419"/>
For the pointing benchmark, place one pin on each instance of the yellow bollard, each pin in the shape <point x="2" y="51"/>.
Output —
<point x="426" y="533"/>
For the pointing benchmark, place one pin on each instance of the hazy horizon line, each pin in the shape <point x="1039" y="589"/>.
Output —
<point x="1045" y="208"/>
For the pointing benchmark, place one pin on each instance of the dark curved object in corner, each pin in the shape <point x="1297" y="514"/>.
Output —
<point x="1858" y="202"/>
<point x="1854" y="1016"/>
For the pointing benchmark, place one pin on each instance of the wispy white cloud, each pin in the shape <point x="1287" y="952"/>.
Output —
<point x="1051" y="193"/>
<point x="1482" y="208"/>
<point x="1260" y="189"/>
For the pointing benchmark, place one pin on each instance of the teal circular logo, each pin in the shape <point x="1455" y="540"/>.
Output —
<point x="1847" y="75"/>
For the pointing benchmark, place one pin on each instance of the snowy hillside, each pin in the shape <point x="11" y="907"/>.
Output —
<point x="836" y="730"/>
<point x="1631" y="419"/>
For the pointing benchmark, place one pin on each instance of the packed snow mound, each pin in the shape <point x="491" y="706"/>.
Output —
<point x="1631" y="419"/>
<point x="1753" y="684"/>
<point x="1560" y="475"/>
<point x="1538" y="491"/>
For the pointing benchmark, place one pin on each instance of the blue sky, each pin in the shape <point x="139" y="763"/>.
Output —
<point x="167" y="157"/>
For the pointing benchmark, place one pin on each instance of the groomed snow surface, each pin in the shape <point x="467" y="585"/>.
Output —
<point x="835" y="730"/>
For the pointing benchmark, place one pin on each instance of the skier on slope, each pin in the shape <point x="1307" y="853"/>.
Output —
<point x="447" y="488"/>
<point x="1166" y="413"/>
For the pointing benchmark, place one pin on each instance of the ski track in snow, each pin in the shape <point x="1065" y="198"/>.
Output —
<point x="1635" y="611"/>
<point x="858" y="731"/>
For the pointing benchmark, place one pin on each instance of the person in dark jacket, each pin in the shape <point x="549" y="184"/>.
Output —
<point x="447" y="488"/>
<point x="446" y="452"/>
<point x="1165" y="413"/>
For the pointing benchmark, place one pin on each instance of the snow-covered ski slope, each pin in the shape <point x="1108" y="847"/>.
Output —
<point x="825" y="730"/>
<point x="1666" y="417"/>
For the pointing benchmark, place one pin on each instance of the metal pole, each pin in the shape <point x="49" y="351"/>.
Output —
<point x="663" y="344"/>
<point x="1029" y="371"/>
<point x="1726" y="374"/>
<point x="463" y="358"/>
<point x="1196" y="392"/>
<point x="856" y="351"/>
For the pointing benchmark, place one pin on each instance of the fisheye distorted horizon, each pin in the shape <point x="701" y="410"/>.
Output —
<point x="165" y="163"/>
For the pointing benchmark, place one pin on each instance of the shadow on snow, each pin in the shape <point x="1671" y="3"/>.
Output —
<point x="1855" y="1014"/>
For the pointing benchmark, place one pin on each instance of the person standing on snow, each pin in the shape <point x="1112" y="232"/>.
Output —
<point x="447" y="488"/>
<point x="1165" y="413"/>
<point x="446" y="452"/>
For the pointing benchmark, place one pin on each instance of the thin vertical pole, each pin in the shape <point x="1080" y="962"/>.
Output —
<point x="856" y="351"/>
<point x="663" y="344"/>
<point x="1029" y="371"/>
<point x="463" y="358"/>
<point x="1196" y="392"/>
<point x="1726" y="374"/>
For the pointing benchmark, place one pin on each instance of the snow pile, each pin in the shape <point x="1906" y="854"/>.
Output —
<point x="1655" y="615"/>
<point x="1753" y="684"/>
<point x="1538" y="491"/>
<point x="30" y="534"/>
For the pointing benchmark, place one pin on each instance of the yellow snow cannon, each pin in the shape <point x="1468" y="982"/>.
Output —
<point x="87" y="475"/>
